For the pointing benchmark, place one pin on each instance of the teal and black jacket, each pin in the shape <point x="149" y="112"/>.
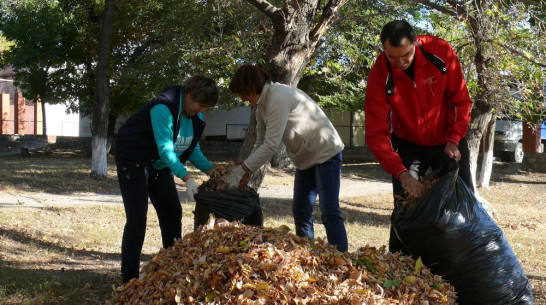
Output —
<point x="136" y="143"/>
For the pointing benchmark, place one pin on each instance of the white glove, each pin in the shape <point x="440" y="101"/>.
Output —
<point x="234" y="176"/>
<point x="191" y="189"/>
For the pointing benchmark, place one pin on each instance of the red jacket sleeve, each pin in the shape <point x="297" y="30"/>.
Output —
<point x="377" y="121"/>
<point x="458" y="99"/>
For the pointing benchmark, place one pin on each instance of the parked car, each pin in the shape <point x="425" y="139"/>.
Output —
<point x="508" y="140"/>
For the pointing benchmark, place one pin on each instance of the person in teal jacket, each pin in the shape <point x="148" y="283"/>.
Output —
<point x="151" y="147"/>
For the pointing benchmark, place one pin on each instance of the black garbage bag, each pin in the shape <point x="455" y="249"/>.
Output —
<point x="231" y="205"/>
<point x="454" y="236"/>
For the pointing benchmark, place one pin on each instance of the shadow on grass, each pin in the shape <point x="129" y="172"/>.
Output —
<point x="55" y="175"/>
<point x="375" y="216"/>
<point x="67" y="287"/>
<point x="282" y="208"/>
<point x="511" y="179"/>
<point x="28" y="284"/>
<point x="511" y="172"/>
<point x="28" y="239"/>
<point x="370" y="171"/>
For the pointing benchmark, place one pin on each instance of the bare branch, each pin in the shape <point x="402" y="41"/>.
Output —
<point x="439" y="8"/>
<point x="326" y="18"/>
<point x="265" y="7"/>
<point x="522" y="55"/>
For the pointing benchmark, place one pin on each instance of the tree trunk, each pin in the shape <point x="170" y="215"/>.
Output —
<point x="487" y="158"/>
<point x="101" y="109"/>
<point x="111" y="132"/>
<point x="257" y="177"/>
<point x="280" y="158"/>
<point x="480" y="119"/>
<point x="481" y="113"/>
<point x="44" y="127"/>
<point x="482" y="110"/>
<point x="298" y="27"/>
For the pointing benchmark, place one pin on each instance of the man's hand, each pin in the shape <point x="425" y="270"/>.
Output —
<point x="414" y="188"/>
<point x="452" y="152"/>
<point x="234" y="176"/>
<point x="191" y="189"/>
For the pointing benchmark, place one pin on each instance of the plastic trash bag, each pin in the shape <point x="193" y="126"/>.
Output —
<point x="455" y="237"/>
<point x="229" y="204"/>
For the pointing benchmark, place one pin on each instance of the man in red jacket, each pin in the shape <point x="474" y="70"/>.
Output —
<point x="417" y="110"/>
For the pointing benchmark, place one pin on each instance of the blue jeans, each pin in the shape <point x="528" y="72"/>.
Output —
<point x="322" y="180"/>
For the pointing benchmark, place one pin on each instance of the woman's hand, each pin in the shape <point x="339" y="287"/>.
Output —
<point x="191" y="187"/>
<point x="234" y="176"/>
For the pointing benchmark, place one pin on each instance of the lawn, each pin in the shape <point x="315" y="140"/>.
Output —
<point x="69" y="253"/>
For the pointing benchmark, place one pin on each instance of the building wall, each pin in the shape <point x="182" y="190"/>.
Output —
<point x="349" y="125"/>
<point x="229" y="123"/>
<point x="60" y="123"/>
<point x="19" y="116"/>
<point x="221" y="124"/>
<point x="232" y="124"/>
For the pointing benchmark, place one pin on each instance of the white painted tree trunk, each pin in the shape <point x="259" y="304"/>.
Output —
<point x="99" y="164"/>
<point x="101" y="108"/>
<point x="486" y="170"/>
<point x="487" y="160"/>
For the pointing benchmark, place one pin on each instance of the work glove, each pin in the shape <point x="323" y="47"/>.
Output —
<point x="191" y="189"/>
<point x="234" y="176"/>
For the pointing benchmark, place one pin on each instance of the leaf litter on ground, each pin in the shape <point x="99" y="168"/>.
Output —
<point x="231" y="263"/>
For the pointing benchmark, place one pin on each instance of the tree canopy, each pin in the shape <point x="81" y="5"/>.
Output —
<point x="52" y="46"/>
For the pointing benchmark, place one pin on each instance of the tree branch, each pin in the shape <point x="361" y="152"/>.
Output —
<point x="265" y="7"/>
<point x="531" y="3"/>
<point x="326" y="18"/>
<point x="522" y="55"/>
<point x="439" y="8"/>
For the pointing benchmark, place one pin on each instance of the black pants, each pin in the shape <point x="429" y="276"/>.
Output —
<point x="418" y="159"/>
<point x="138" y="182"/>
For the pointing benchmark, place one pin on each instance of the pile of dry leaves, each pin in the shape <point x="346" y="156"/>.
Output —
<point x="230" y="263"/>
<point x="217" y="181"/>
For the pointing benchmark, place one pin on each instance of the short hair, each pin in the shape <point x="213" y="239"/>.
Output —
<point x="395" y="31"/>
<point x="249" y="79"/>
<point x="203" y="90"/>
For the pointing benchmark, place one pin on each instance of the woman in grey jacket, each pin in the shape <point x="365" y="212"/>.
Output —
<point x="288" y="115"/>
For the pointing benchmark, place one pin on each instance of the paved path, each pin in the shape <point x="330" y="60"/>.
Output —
<point x="349" y="188"/>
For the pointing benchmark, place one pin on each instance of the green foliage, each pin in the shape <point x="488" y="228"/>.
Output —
<point x="523" y="48"/>
<point x="171" y="40"/>
<point x="4" y="44"/>
<point x="154" y="44"/>
<point x="52" y="46"/>
<point x="514" y="46"/>
<point x="42" y="40"/>
<point x="336" y="77"/>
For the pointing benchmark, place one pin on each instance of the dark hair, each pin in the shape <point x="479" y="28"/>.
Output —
<point x="203" y="89"/>
<point x="249" y="79"/>
<point x="395" y="31"/>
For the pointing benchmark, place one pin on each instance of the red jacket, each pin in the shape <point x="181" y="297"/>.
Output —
<point x="432" y="110"/>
